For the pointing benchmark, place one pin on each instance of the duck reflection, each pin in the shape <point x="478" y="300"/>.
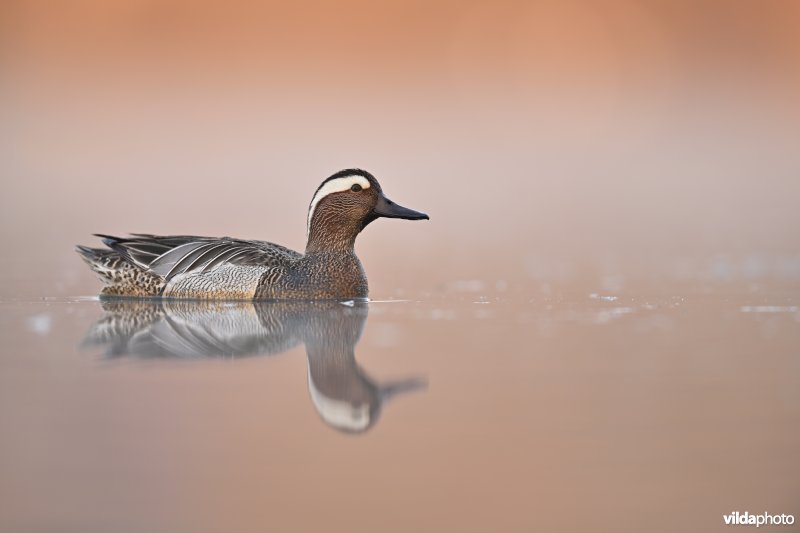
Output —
<point x="342" y="393"/>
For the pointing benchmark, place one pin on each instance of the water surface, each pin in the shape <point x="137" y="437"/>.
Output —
<point x="466" y="410"/>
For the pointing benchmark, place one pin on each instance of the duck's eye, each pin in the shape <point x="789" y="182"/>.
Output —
<point x="356" y="187"/>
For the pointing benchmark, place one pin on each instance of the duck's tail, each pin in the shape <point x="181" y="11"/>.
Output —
<point x="120" y="276"/>
<point x="105" y="263"/>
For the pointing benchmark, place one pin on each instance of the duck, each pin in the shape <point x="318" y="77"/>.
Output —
<point x="224" y="268"/>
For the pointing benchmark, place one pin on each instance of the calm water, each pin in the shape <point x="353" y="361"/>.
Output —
<point x="470" y="410"/>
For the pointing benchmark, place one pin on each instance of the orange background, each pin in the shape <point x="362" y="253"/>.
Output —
<point x="535" y="134"/>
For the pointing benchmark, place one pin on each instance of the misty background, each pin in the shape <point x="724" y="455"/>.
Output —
<point x="571" y="142"/>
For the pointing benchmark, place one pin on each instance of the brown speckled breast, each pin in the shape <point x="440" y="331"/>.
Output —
<point x="323" y="275"/>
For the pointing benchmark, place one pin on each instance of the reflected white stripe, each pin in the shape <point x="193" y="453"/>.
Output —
<point x="337" y="413"/>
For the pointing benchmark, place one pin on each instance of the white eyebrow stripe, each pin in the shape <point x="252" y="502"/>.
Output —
<point x="338" y="185"/>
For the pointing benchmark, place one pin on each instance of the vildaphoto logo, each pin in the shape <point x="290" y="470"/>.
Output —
<point x="765" y="519"/>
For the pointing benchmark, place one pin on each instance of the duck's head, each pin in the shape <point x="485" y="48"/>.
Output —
<point x="344" y="204"/>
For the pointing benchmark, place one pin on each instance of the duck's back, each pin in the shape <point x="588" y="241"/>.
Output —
<point x="187" y="266"/>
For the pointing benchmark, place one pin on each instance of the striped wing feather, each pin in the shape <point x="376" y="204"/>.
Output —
<point x="173" y="255"/>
